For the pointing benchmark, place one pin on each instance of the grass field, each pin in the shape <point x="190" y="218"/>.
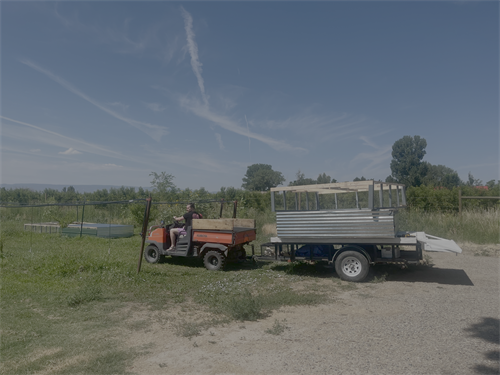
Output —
<point x="476" y="226"/>
<point x="63" y="299"/>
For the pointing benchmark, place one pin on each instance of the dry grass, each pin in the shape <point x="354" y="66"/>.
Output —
<point x="270" y="229"/>
<point x="477" y="226"/>
<point x="492" y="250"/>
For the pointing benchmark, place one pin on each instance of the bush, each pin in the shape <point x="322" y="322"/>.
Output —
<point x="244" y="306"/>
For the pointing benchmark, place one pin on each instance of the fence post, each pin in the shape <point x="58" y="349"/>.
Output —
<point x="144" y="231"/>
<point x="460" y="201"/>
<point x="83" y="214"/>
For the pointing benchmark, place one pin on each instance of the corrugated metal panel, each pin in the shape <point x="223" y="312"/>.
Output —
<point x="335" y="223"/>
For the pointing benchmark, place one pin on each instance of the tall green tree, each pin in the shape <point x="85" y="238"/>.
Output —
<point x="406" y="165"/>
<point x="301" y="179"/>
<point x="325" y="179"/>
<point x="261" y="177"/>
<point x="440" y="175"/>
<point x="471" y="181"/>
<point x="162" y="184"/>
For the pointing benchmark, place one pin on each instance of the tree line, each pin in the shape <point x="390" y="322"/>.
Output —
<point x="428" y="186"/>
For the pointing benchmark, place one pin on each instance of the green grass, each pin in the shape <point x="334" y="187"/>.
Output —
<point x="477" y="226"/>
<point x="61" y="299"/>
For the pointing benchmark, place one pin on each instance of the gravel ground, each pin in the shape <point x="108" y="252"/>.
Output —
<point x="435" y="320"/>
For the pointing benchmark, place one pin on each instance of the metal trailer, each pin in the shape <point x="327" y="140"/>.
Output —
<point x="320" y="227"/>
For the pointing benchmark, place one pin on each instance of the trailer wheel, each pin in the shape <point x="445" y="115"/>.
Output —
<point x="214" y="261"/>
<point x="152" y="254"/>
<point x="351" y="266"/>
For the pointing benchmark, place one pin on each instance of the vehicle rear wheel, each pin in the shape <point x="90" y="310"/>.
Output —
<point x="152" y="254"/>
<point x="214" y="261"/>
<point x="352" y="266"/>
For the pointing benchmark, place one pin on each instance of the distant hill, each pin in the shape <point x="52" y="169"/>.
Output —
<point x="78" y="188"/>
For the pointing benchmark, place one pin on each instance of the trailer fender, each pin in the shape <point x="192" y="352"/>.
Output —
<point x="218" y="246"/>
<point x="351" y="248"/>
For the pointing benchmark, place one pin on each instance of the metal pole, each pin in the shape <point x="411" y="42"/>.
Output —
<point x="144" y="232"/>
<point x="370" y="197"/>
<point x="109" y="232"/>
<point x="83" y="214"/>
<point x="221" y="207"/>
<point x="31" y="237"/>
<point x="234" y="210"/>
<point x="381" y="195"/>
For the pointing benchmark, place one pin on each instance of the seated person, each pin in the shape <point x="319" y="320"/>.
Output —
<point x="188" y="217"/>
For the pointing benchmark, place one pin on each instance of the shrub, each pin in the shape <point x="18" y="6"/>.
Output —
<point x="244" y="306"/>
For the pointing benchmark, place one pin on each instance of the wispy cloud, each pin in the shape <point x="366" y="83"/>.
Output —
<point x="54" y="139"/>
<point x="249" y="140"/>
<point x="219" y="141"/>
<point x="202" y="109"/>
<point x="122" y="106"/>
<point x="193" y="161"/>
<point x="154" y="131"/>
<point x="112" y="166"/>
<point x="193" y="52"/>
<point x="380" y="155"/>
<point x="309" y="125"/>
<point x="155" y="107"/>
<point x="226" y="123"/>
<point x="153" y="39"/>
<point x="70" y="151"/>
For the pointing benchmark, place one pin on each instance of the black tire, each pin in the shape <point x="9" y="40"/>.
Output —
<point x="351" y="266"/>
<point x="214" y="260"/>
<point x="152" y="254"/>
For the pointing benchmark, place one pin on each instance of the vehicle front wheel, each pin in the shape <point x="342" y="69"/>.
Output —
<point x="214" y="261"/>
<point x="152" y="254"/>
<point x="352" y="266"/>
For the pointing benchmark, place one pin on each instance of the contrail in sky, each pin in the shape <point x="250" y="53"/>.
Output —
<point x="193" y="52"/>
<point x="248" y="129"/>
<point x="91" y="147"/>
<point x="203" y="110"/>
<point x="154" y="131"/>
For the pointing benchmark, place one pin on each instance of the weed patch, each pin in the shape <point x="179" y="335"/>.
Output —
<point x="244" y="307"/>
<point x="278" y="328"/>
<point x="88" y="293"/>
<point x="188" y="329"/>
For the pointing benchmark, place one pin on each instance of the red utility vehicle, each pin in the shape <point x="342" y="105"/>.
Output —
<point x="213" y="240"/>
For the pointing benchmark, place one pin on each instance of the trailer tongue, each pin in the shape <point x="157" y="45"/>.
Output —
<point x="351" y="238"/>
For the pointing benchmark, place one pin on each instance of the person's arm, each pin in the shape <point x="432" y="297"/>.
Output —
<point x="178" y="218"/>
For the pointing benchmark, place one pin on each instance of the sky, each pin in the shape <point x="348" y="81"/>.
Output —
<point x="107" y="92"/>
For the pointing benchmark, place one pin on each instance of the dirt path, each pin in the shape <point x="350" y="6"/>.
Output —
<point x="440" y="320"/>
